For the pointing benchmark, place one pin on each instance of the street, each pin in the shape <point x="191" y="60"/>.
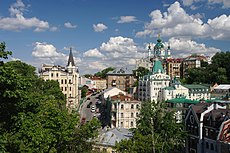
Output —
<point x="87" y="113"/>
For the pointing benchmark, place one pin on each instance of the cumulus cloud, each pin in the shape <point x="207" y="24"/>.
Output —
<point x="116" y="52"/>
<point x="48" y="54"/>
<point x="17" y="21"/>
<point x="177" y="23"/>
<point x="127" y="19"/>
<point x="69" y="25"/>
<point x="184" y="47"/>
<point x="93" y="53"/>
<point x="44" y="50"/>
<point x="99" y="27"/>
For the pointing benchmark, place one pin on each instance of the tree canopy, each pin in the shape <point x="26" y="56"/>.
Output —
<point x="216" y="72"/>
<point x="34" y="117"/>
<point x="156" y="132"/>
<point x="103" y="73"/>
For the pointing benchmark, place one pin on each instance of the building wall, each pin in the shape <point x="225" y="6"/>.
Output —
<point x="149" y="88"/>
<point x="123" y="82"/>
<point x="100" y="84"/>
<point x="125" y="113"/>
<point x="68" y="82"/>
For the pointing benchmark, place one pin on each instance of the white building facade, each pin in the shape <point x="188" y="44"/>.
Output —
<point x="125" y="111"/>
<point x="150" y="85"/>
<point x="67" y="78"/>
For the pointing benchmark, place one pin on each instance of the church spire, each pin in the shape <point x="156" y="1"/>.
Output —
<point x="70" y="60"/>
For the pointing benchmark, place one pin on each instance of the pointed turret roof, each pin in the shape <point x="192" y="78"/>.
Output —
<point x="157" y="68"/>
<point x="70" y="60"/>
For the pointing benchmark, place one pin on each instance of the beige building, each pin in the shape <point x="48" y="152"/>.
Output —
<point x="172" y="67"/>
<point x="99" y="83"/>
<point x="125" y="111"/>
<point x="121" y="78"/>
<point x="67" y="78"/>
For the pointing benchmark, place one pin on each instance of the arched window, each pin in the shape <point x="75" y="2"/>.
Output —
<point x="132" y="114"/>
<point x="122" y="106"/>
<point x="132" y="106"/>
<point x="132" y="124"/>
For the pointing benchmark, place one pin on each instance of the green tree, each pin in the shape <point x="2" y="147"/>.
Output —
<point x="3" y="53"/>
<point x="33" y="115"/>
<point x="156" y="132"/>
<point x="103" y="73"/>
<point x="140" y="72"/>
<point x="84" y="91"/>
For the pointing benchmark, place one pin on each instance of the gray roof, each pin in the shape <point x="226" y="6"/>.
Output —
<point x="120" y="71"/>
<point x="71" y="60"/>
<point x="110" y="137"/>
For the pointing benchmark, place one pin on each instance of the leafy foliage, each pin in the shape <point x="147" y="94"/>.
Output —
<point x="157" y="131"/>
<point x="103" y="73"/>
<point x="140" y="72"/>
<point x="33" y="115"/>
<point x="4" y="54"/>
<point x="216" y="72"/>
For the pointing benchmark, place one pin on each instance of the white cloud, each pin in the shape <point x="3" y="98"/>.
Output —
<point x="127" y="19"/>
<point x="189" y="2"/>
<point x="184" y="47"/>
<point x="93" y="53"/>
<point x="45" y="53"/>
<point x="44" y="50"/>
<point x="18" y="22"/>
<point x="53" y="28"/>
<point x="119" y="44"/>
<point x="177" y="23"/>
<point x="225" y="3"/>
<point x="99" y="27"/>
<point x="69" y="25"/>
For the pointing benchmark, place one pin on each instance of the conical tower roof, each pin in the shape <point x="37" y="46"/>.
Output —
<point x="157" y="68"/>
<point x="70" y="60"/>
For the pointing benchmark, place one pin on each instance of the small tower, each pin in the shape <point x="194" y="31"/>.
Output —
<point x="70" y="65"/>
<point x="149" y="51"/>
<point x="168" y="51"/>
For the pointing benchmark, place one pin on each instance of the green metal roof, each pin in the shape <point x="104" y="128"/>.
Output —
<point x="169" y="88"/>
<point x="194" y="86"/>
<point x="157" y="67"/>
<point x="182" y="100"/>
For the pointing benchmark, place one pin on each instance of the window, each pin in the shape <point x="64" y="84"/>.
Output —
<point x="137" y="106"/>
<point x="52" y="74"/>
<point x="131" y="124"/>
<point x="61" y="81"/>
<point x="132" y="106"/>
<point x="61" y="88"/>
<point x="212" y="146"/>
<point x="122" y="106"/>
<point x="137" y="115"/>
<point x="121" y="124"/>
<point x="70" y="95"/>
<point x="69" y="88"/>
<point x="57" y="74"/>
<point x="207" y="145"/>
<point x="65" y="81"/>
<point x="65" y="88"/>
<point x="69" y="81"/>
<point x="132" y="114"/>
<point x="122" y="115"/>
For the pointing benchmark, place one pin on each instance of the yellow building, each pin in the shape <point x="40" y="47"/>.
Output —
<point x="99" y="83"/>
<point x="67" y="78"/>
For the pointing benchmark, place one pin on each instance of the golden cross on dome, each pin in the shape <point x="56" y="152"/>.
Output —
<point x="158" y="35"/>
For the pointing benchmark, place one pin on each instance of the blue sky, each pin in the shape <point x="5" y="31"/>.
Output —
<point x="113" y="33"/>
